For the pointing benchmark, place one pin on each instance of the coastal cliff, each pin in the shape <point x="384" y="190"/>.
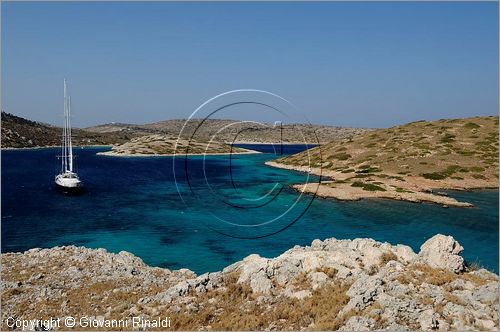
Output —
<point x="358" y="284"/>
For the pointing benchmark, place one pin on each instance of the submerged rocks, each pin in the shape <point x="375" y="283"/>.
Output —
<point x="358" y="284"/>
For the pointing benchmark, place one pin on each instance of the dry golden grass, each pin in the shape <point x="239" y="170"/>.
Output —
<point x="373" y="311"/>
<point x="236" y="308"/>
<point x="329" y="271"/>
<point x="449" y="297"/>
<point x="302" y="281"/>
<point x="387" y="257"/>
<point x="419" y="273"/>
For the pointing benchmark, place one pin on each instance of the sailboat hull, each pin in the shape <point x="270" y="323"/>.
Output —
<point x="69" y="183"/>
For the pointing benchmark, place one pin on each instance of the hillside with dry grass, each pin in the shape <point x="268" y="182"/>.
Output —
<point x="405" y="162"/>
<point x="18" y="132"/>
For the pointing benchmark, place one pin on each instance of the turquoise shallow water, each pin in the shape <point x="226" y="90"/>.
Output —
<point x="228" y="209"/>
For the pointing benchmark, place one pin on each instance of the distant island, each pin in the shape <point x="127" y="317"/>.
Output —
<point x="234" y="131"/>
<point x="409" y="162"/>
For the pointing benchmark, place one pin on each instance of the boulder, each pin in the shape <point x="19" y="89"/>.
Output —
<point x="443" y="252"/>
<point x="404" y="253"/>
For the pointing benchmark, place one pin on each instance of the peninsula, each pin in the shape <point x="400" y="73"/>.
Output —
<point x="410" y="162"/>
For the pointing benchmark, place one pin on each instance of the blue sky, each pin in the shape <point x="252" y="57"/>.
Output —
<point x="350" y="64"/>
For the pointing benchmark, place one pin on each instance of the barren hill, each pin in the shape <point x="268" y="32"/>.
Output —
<point x="18" y="132"/>
<point x="406" y="162"/>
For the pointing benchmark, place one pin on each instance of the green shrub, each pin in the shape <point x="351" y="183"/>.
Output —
<point x="402" y="190"/>
<point x="341" y="156"/>
<point x="449" y="171"/>
<point x="448" y="138"/>
<point x="471" y="125"/>
<point x="368" y="169"/>
<point x="465" y="152"/>
<point x="434" y="176"/>
<point x="367" y="186"/>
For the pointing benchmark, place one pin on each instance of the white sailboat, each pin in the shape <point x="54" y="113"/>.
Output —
<point x="67" y="180"/>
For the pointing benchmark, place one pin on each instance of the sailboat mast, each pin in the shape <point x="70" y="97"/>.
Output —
<point x="70" y="147"/>
<point x="68" y="180"/>
<point x="63" y="156"/>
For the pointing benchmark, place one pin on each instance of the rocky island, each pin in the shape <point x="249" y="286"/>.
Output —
<point x="347" y="285"/>
<point x="410" y="162"/>
<point x="161" y="145"/>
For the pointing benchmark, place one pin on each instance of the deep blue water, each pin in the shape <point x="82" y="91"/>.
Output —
<point x="228" y="209"/>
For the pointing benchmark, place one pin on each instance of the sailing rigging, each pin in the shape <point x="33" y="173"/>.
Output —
<point x="67" y="179"/>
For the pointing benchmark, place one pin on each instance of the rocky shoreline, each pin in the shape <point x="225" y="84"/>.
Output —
<point x="358" y="284"/>
<point x="413" y="189"/>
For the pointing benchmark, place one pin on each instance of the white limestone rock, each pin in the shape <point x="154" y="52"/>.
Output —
<point x="443" y="252"/>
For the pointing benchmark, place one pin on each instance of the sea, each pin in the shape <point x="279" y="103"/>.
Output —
<point x="206" y="212"/>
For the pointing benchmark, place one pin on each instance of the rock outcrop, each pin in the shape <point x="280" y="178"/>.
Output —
<point x="347" y="285"/>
